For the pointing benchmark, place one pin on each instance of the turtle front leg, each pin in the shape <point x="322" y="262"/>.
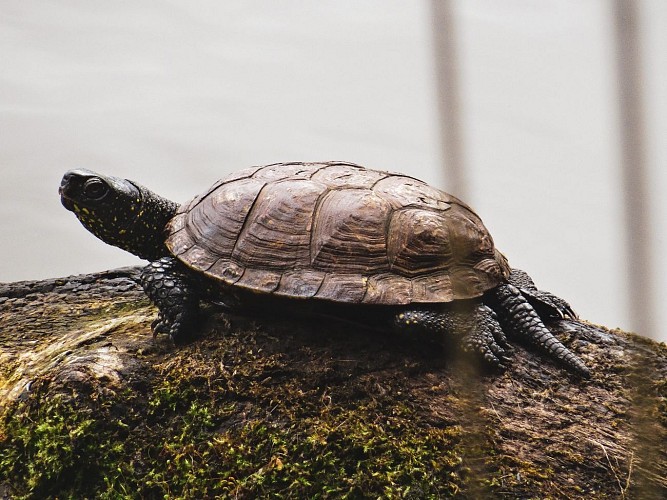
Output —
<point x="476" y="329"/>
<point x="169" y="286"/>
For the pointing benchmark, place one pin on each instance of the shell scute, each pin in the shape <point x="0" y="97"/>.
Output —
<point x="347" y="176"/>
<point x="226" y="270"/>
<point x="418" y="242"/>
<point x="276" y="232"/>
<point x="343" y="287"/>
<point x="403" y="191"/>
<point x="435" y="287"/>
<point x="345" y="228"/>
<point x="300" y="283"/>
<point x="283" y="171"/>
<point x="388" y="288"/>
<point x="216" y="220"/>
<point x="260" y="280"/>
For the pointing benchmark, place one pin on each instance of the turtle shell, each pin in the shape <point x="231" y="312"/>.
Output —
<point x="337" y="231"/>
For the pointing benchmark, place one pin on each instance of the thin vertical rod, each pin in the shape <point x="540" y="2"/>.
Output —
<point x="447" y="80"/>
<point x="634" y="176"/>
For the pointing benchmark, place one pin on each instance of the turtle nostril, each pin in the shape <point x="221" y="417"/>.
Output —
<point x="65" y="187"/>
<point x="66" y="178"/>
<point x="64" y="184"/>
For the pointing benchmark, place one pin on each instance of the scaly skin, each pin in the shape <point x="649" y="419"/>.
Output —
<point x="476" y="330"/>
<point x="521" y="321"/>
<point x="547" y="304"/>
<point x="169" y="286"/>
<point x="479" y="330"/>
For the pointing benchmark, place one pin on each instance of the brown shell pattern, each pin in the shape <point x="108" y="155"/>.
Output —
<point x="337" y="231"/>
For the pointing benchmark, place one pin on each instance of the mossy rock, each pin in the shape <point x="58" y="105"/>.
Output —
<point x="92" y="406"/>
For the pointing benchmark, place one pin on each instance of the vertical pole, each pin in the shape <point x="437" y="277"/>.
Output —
<point x="637" y="226"/>
<point x="634" y="176"/>
<point x="451" y="146"/>
<point x="446" y="68"/>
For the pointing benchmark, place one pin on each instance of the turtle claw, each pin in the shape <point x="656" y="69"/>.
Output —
<point x="485" y="339"/>
<point x="475" y="330"/>
<point x="548" y="305"/>
<point x="497" y="333"/>
<point x="484" y="347"/>
<point x="178" y="330"/>
<point x="562" y="307"/>
<point x="159" y="325"/>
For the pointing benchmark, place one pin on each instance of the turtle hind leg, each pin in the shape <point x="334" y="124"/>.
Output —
<point x="170" y="287"/>
<point x="521" y="320"/>
<point x="545" y="303"/>
<point x="475" y="329"/>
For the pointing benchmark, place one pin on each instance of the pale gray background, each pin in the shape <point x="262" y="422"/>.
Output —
<point x="176" y="94"/>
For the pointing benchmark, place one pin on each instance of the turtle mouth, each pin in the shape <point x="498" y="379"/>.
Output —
<point x="68" y="191"/>
<point x="66" y="201"/>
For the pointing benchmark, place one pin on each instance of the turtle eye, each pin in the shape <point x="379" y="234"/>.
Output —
<point x="95" y="189"/>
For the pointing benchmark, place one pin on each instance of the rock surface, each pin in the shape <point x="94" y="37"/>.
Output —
<point x="92" y="406"/>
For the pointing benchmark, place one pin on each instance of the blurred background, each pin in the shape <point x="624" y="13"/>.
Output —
<point x="548" y="117"/>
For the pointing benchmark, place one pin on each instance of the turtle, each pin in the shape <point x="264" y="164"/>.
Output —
<point x="381" y="249"/>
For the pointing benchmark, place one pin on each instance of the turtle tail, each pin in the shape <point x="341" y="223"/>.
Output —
<point x="522" y="321"/>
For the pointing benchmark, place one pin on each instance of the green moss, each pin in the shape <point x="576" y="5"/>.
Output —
<point x="354" y="453"/>
<point x="55" y="447"/>
<point x="223" y="446"/>
<point x="194" y="436"/>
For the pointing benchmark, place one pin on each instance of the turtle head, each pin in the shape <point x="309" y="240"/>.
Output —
<point x="117" y="211"/>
